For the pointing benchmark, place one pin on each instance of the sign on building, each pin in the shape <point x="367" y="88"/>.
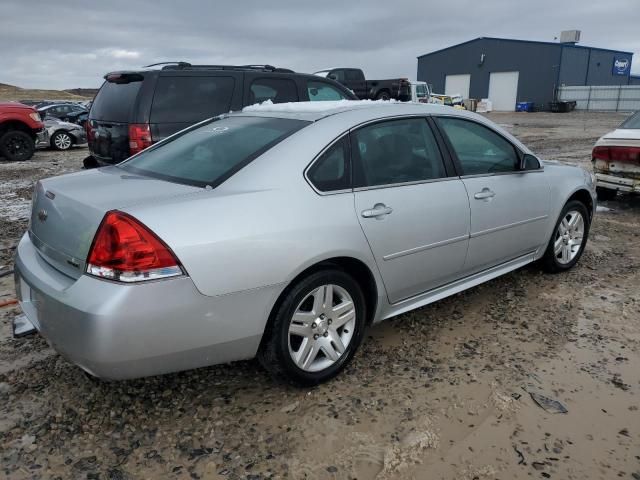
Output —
<point x="621" y="66"/>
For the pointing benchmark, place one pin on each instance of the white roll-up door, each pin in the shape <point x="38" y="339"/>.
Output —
<point x="503" y="90"/>
<point x="457" y="85"/>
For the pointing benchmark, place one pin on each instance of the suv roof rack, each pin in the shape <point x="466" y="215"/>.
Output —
<point x="188" y="66"/>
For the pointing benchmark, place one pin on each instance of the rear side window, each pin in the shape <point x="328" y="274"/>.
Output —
<point x="479" y="149"/>
<point x="114" y="102"/>
<point x="331" y="171"/>
<point x="632" y="122"/>
<point x="190" y="99"/>
<point x="209" y="154"/>
<point x="353" y="75"/>
<point x="320" y="91"/>
<point x="396" y="151"/>
<point x="278" y="90"/>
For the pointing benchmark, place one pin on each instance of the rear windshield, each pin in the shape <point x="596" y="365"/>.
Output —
<point x="114" y="102"/>
<point x="632" y="122"/>
<point x="208" y="154"/>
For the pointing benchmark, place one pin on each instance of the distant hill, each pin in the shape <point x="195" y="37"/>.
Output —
<point x="83" y="92"/>
<point x="13" y="93"/>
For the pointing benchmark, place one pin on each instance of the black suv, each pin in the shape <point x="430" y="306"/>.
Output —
<point x="135" y="109"/>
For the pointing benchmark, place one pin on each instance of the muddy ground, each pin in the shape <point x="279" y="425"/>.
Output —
<point x="444" y="392"/>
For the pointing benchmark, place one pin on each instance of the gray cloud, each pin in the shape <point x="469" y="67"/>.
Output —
<point x="73" y="43"/>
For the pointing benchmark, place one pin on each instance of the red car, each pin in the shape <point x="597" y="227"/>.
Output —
<point x="20" y="128"/>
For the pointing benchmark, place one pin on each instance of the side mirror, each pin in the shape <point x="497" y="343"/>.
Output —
<point x="332" y="77"/>
<point x="529" y="162"/>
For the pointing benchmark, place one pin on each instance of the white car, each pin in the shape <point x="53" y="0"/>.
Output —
<point x="616" y="159"/>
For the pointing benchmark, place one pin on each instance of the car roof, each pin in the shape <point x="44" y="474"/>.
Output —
<point x="314" y="111"/>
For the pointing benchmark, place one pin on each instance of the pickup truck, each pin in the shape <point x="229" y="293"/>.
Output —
<point x="354" y="79"/>
<point x="20" y="128"/>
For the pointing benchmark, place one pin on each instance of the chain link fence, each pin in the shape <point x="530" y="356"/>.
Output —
<point x="613" y="98"/>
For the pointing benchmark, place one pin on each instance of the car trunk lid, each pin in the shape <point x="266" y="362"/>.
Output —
<point x="68" y="210"/>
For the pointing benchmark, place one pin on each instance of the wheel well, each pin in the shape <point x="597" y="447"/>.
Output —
<point x="583" y="196"/>
<point x="15" y="125"/>
<point x="357" y="269"/>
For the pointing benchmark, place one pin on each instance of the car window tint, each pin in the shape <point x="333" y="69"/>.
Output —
<point x="331" y="171"/>
<point x="632" y="122"/>
<point x="338" y="74"/>
<point x="190" y="99"/>
<point x="320" y="91"/>
<point x="278" y="90"/>
<point x="210" y="153"/>
<point x="352" y="75"/>
<point x="396" y="151"/>
<point x="115" y="101"/>
<point x="479" y="149"/>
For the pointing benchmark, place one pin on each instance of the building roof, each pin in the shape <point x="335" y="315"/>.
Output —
<point x="557" y="44"/>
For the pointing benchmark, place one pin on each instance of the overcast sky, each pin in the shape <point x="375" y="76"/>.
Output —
<point x="68" y="44"/>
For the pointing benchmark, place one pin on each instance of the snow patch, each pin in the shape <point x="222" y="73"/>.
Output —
<point x="314" y="107"/>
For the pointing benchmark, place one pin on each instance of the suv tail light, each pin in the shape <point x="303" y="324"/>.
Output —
<point x="617" y="154"/>
<point x="89" y="128"/>
<point x="139" y="137"/>
<point x="125" y="250"/>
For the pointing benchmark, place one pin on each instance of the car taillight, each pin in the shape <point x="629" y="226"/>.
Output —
<point x="89" y="130"/>
<point x="125" y="250"/>
<point x="139" y="137"/>
<point x="617" y="154"/>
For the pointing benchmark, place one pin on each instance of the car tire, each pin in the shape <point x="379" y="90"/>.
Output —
<point x="61" y="140"/>
<point x="299" y="345"/>
<point x="606" y="193"/>
<point x="564" y="250"/>
<point x="383" y="95"/>
<point x="17" y="146"/>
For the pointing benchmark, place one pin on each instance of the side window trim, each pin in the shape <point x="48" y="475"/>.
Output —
<point x="454" y="157"/>
<point x="343" y="137"/>
<point x="447" y="160"/>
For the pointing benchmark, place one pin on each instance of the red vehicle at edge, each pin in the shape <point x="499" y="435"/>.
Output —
<point x="20" y="128"/>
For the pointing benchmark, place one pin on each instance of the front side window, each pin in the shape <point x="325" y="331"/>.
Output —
<point x="208" y="154"/>
<point x="320" y="91"/>
<point x="395" y="151"/>
<point x="337" y="75"/>
<point x="479" y="149"/>
<point x="278" y="90"/>
<point x="421" y="91"/>
<point x="190" y="99"/>
<point x="331" y="171"/>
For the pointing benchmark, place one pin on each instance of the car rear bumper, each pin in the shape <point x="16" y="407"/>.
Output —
<point x="614" y="182"/>
<point x="120" y="331"/>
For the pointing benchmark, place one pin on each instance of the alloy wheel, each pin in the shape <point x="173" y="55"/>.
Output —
<point x="62" y="141"/>
<point x="321" y="328"/>
<point x="569" y="237"/>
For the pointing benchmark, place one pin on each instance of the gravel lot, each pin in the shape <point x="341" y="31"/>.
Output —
<point x="446" y="391"/>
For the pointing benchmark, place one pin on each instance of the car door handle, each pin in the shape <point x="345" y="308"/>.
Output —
<point x="485" y="194"/>
<point x="378" y="210"/>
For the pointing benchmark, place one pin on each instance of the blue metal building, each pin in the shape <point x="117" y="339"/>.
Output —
<point x="508" y="71"/>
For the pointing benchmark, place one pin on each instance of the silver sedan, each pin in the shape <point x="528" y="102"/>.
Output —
<point x="283" y="232"/>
